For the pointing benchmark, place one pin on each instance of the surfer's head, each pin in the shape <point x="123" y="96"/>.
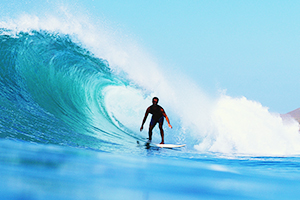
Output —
<point x="155" y="100"/>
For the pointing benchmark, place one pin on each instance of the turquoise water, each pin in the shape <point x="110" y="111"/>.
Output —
<point x="69" y="125"/>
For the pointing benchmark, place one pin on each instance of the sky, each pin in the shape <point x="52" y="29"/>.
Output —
<point x="248" y="48"/>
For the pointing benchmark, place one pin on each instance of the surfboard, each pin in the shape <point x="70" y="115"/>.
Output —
<point x="168" y="145"/>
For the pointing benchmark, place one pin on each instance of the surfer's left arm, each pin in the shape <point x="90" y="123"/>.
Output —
<point x="167" y="118"/>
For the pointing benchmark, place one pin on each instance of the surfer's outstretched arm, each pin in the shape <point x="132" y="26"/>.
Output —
<point x="167" y="118"/>
<point x="168" y="121"/>
<point x="145" y="117"/>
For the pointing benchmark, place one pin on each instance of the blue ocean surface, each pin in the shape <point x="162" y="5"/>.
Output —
<point x="69" y="129"/>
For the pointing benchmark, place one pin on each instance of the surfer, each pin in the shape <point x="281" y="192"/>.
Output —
<point x="158" y="114"/>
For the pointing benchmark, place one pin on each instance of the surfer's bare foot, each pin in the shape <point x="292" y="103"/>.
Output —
<point x="162" y="143"/>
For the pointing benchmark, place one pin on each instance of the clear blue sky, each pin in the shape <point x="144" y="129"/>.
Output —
<point x="250" y="48"/>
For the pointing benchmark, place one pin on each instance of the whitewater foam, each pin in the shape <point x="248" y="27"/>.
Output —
<point x="247" y="127"/>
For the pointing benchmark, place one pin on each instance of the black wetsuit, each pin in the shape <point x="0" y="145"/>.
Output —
<point x="157" y="114"/>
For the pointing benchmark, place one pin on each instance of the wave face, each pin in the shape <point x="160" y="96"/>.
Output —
<point x="52" y="90"/>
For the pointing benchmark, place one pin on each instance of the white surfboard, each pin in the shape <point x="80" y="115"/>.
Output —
<point x="162" y="145"/>
<point x="168" y="145"/>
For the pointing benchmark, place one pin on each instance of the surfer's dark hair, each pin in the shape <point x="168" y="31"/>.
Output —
<point x="155" y="98"/>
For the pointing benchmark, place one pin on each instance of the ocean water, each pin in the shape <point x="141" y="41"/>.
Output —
<point x="72" y="100"/>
